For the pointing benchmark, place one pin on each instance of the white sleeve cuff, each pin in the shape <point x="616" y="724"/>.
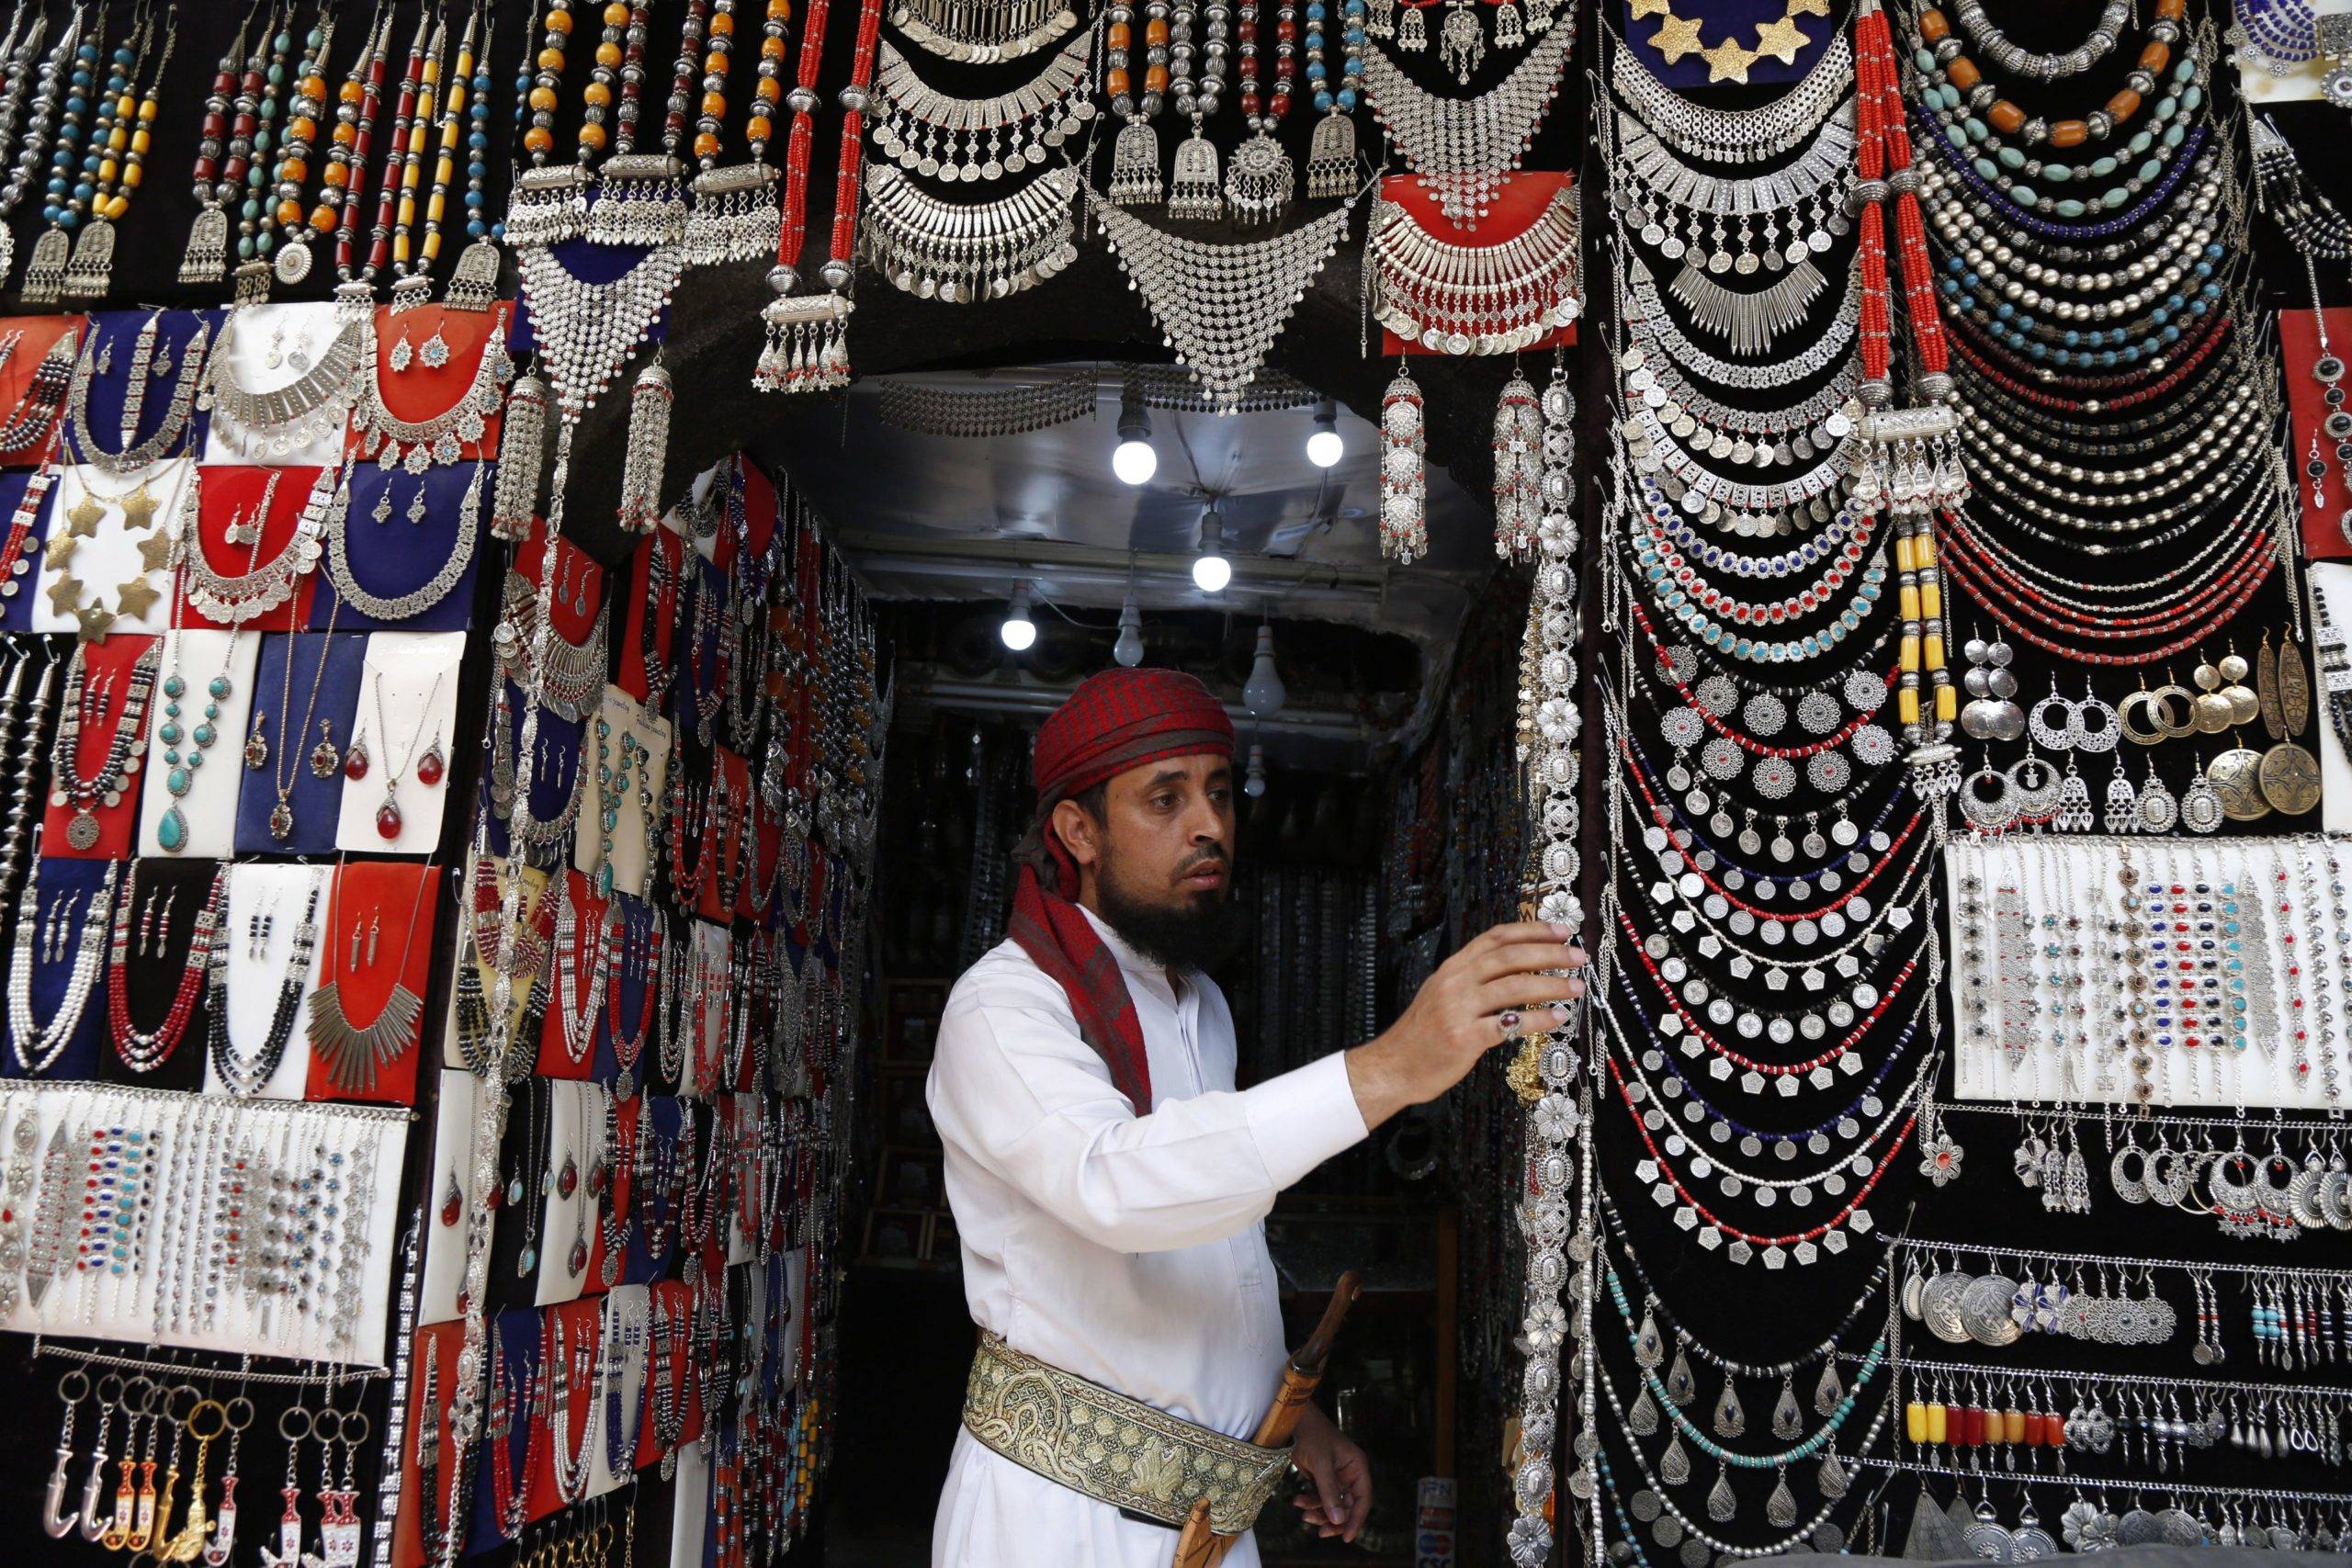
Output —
<point x="1303" y="1117"/>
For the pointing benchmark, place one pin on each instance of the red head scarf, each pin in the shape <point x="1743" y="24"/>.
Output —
<point x="1115" y="720"/>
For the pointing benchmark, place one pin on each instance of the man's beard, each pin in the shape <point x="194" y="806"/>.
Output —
<point x="1199" y="932"/>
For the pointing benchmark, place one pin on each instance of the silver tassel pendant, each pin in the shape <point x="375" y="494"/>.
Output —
<point x="92" y="268"/>
<point x="1649" y="1350"/>
<point x="1258" y="183"/>
<point x="1681" y="1387"/>
<point x="1731" y="1419"/>
<point x="1519" y="470"/>
<point x="1331" y="157"/>
<point x="1828" y="1391"/>
<point x="639" y="201"/>
<point x="735" y="216"/>
<point x="473" y="286"/>
<point x="1134" y="165"/>
<point x="549" y="207"/>
<point x="1788" y="1421"/>
<point x="1404" y="473"/>
<point x="1723" y="1503"/>
<point x="207" y="256"/>
<point x="2123" y="812"/>
<point x="807" y="344"/>
<point x="522" y="451"/>
<point x="650" y="401"/>
<point x="1193" y="188"/>
<point x="1412" y="33"/>
<point x="45" y="274"/>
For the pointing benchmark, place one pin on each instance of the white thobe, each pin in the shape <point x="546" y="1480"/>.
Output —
<point x="1128" y="1249"/>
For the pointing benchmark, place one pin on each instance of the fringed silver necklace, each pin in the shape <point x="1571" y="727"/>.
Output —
<point x="965" y="252"/>
<point x="1462" y="150"/>
<point x="1459" y="298"/>
<point x="971" y="140"/>
<point x="1221" y="306"/>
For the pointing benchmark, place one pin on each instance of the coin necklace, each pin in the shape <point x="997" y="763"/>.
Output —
<point x="125" y="747"/>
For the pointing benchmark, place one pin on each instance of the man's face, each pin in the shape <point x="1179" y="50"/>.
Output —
<point x="1158" y="864"/>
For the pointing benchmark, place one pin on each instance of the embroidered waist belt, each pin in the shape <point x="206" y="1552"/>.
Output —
<point x="1113" y="1448"/>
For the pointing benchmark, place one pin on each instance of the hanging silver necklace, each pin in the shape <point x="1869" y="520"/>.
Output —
<point x="1735" y="136"/>
<point x="309" y="408"/>
<point x="1462" y="150"/>
<point x="981" y="32"/>
<point x="965" y="253"/>
<point x="970" y="139"/>
<point x="1476" y="298"/>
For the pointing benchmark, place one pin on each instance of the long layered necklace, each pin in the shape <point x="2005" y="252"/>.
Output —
<point x="38" y="1046"/>
<point x="151" y="359"/>
<point x="125" y="747"/>
<point x="145" y="1050"/>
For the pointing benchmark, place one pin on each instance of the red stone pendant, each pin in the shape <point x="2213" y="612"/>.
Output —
<point x="388" y="818"/>
<point x="453" y="1204"/>
<point x="430" y="767"/>
<point x="355" y="761"/>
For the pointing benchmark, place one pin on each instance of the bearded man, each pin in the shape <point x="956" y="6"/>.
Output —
<point x="1109" y="1184"/>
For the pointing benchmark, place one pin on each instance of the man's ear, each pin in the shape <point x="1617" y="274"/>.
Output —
<point x="1079" y="831"/>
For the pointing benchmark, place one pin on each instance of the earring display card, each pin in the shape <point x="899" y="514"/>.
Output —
<point x="28" y="505"/>
<point x="57" y="995"/>
<point x="306" y="694"/>
<point x="572" y="1331"/>
<point x="628" y="757"/>
<point x="2326" y="499"/>
<point x="2227" y="1030"/>
<point x="450" y="1193"/>
<point x="307" y="355"/>
<point x="136" y="399"/>
<point x="436" y="399"/>
<point x="232" y="501"/>
<point x="726" y="830"/>
<point x="521" y="1334"/>
<point x="657" y="1187"/>
<point x="105" y="564"/>
<point x="2331" y="586"/>
<point x="34" y="375"/>
<point x="403" y="550"/>
<point x="262" y="1050"/>
<point x="674" y="1376"/>
<point x="627" y="1323"/>
<point x="629" y="1053"/>
<point x="110" y="681"/>
<point x="203" y="783"/>
<point x="608" y="1209"/>
<point x="396" y="767"/>
<point x="150" y="1193"/>
<point x="568" y="1213"/>
<point x="366" y="1020"/>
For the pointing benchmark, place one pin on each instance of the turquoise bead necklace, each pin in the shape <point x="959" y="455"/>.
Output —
<point x="185" y="744"/>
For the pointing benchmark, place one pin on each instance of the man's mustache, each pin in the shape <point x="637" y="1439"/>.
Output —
<point x="1213" y="853"/>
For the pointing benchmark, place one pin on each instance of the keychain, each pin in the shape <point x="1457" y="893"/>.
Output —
<point x="139" y="1408"/>
<point x="206" y="1422"/>
<point x="293" y="1424"/>
<point x="72" y="1388"/>
<point x="155" y="1505"/>
<point x="339" y="1529"/>
<point x="237" y="1414"/>
<point x="93" y="1523"/>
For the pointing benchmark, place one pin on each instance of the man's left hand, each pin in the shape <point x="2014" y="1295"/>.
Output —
<point x="1342" y="1500"/>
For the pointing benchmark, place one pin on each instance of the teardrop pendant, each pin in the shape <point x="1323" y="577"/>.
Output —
<point x="1722" y="1501"/>
<point x="1681" y="1387"/>
<point x="1649" y="1350"/>
<point x="1731" y="1420"/>
<point x="1674" y="1465"/>
<point x="1780" y="1507"/>
<point x="1831" y="1478"/>
<point x="1828" y="1391"/>
<point x="1642" y="1420"/>
<point x="453" y="1204"/>
<point x="1788" y="1421"/>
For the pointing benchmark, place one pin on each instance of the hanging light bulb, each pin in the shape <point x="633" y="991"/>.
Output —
<point x="1254" y="784"/>
<point x="1019" y="631"/>
<point x="1133" y="460"/>
<point x="1264" y="694"/>
<point x="1211" y="570"/>
<point x="1128" y="649"/>
<point x="1324" y="447"/>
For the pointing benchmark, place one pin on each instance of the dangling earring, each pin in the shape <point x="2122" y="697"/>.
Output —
<point x="453" y="1202"/>
<point x="435" y="353"/>
<point x="276" y="355"/>
<point x="432" y="766"/>
<point x="373" y="922"/>
<point x="402" y="354"/>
